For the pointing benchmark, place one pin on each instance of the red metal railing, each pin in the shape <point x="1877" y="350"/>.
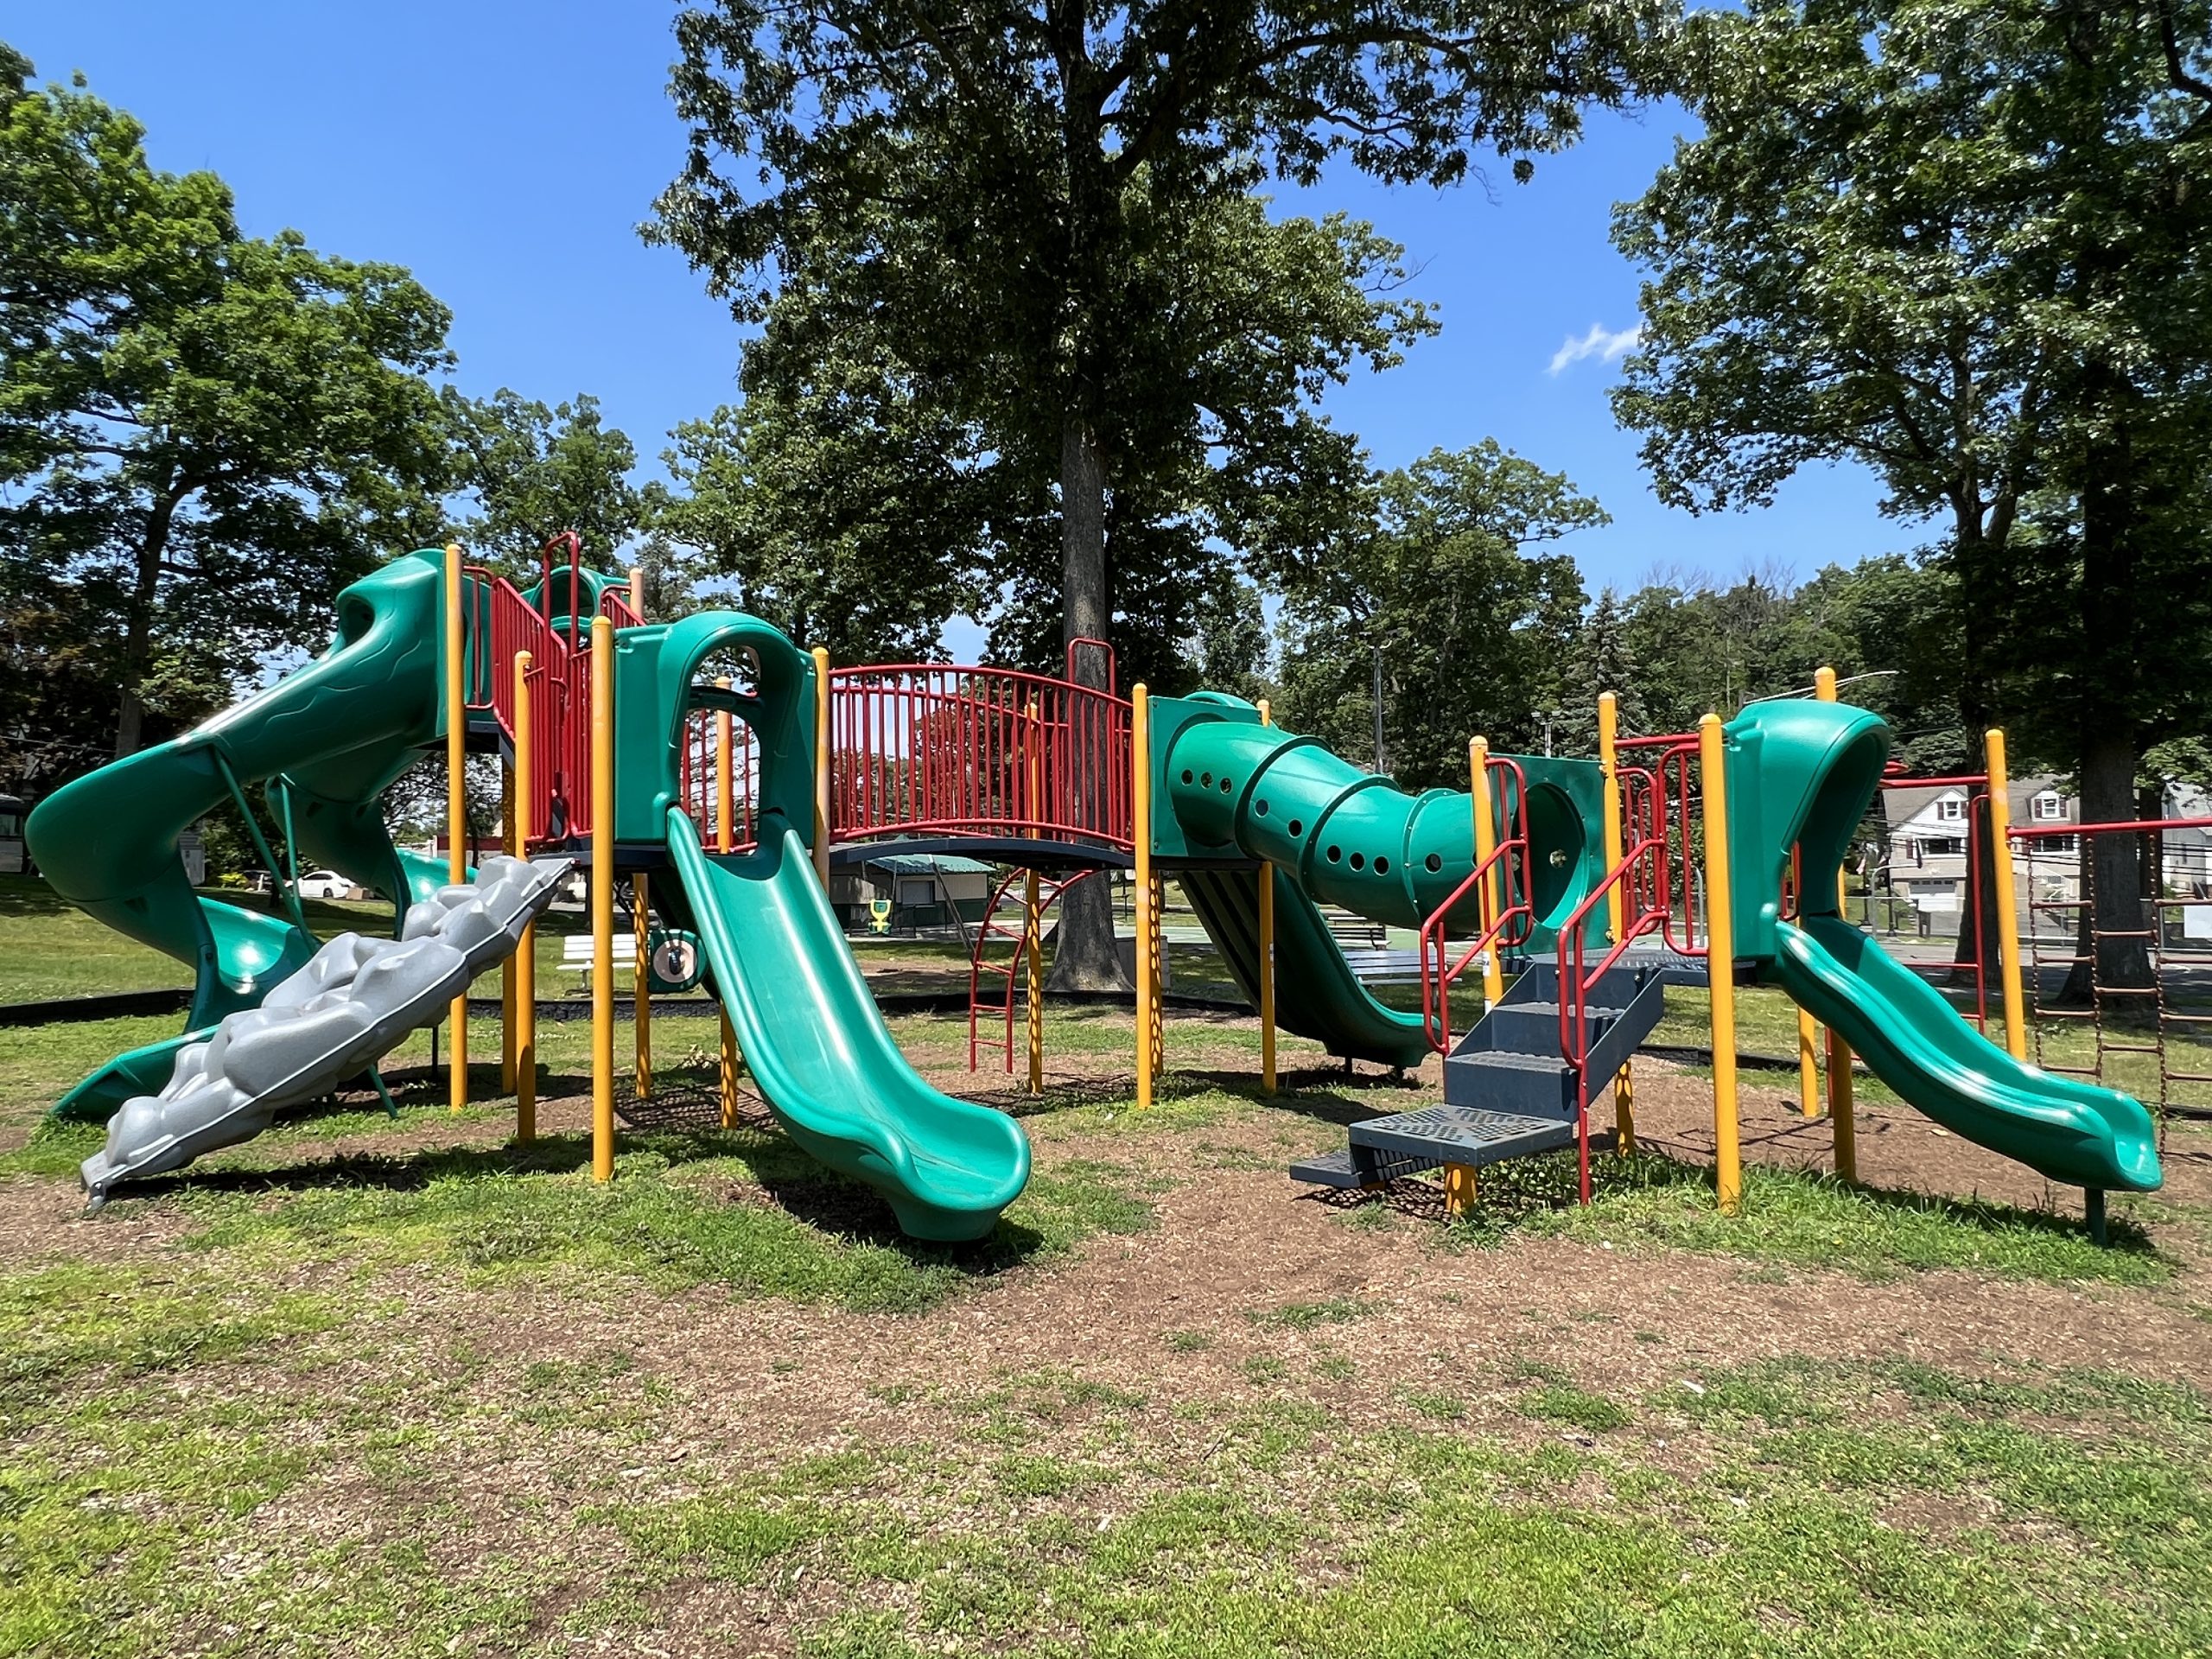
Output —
<point x="918" y="747"/>
<point x="1048" y="895"/>
<point x="700" y="779"/>
<point x="1641" y="879"/>
<point x="1506" y="870"/>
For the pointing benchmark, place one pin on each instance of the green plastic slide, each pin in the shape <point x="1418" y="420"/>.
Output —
<point x="337" y="732"/>
<point x="1317" y="993"/>
<point x="815" y="1042"/>
<point x="1802" y="774"/>
<point x="1917" y="1044"/>
<point x="1237" y="790"/>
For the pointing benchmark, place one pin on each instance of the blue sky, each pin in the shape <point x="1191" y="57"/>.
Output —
<point x="506" y="153"/>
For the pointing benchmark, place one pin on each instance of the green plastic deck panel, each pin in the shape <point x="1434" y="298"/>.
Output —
<point x="1805" y="774"/>
<point x="339" y="730"/>
<point x="816" y="1044"/>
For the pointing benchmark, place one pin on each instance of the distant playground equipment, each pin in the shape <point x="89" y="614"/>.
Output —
<point x="712" y="773"/>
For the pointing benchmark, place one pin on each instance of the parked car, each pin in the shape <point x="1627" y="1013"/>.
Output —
<point x="324" y="884"/>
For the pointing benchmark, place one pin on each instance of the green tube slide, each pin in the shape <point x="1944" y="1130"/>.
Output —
<point x="1804" y="774"/>
<point x="1236" y="790"/>
<point x="337" y="731"/>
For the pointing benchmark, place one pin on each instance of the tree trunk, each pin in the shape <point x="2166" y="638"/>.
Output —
<point x="2112" y="935"/>
<point x="2114" y="924"/>
<point x="1085" y="958"/>
<point x="1975" y="562"/>
<point x="138" y="625"/>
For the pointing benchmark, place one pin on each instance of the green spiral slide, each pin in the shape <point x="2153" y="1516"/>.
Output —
<point x="1804" y="774"/>
<point x="331" y="737"/>
<point x="1236" y="790"/>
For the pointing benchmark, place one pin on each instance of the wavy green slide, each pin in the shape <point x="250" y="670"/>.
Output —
<point x="331" y="737"/>
<point x="816" y="1043"/>
<point x="1804" y="774"/>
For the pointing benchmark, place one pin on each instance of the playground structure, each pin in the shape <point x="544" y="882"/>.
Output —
<point x="719" y="773"/>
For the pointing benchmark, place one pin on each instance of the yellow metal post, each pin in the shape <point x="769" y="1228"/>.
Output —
<point x="525" y="957"/>
<point x="641" y="1002"/>
<point x="1808" y="1064"/>
<point x="1609" y="773"/>
<point x="1458" y="1189"/>
<point x="1487" y="901"/>
<point x="1267" y="952"/>
<point x="1839" y="1119"/>
<point x="456" y="808"/>
<point x="511" y="839"/>
<point x="726" y="840"/>
<point x="1720" y="964"/>
<point x="602" y="900"/>
<point x="822" y="765"/>
<point x="1140" y="831"/>
<point x="1033" y="946"/>
<point x="2008" y="918"/>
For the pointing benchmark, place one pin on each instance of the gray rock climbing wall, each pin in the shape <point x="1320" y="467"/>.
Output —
<point x="329" y="1022"/>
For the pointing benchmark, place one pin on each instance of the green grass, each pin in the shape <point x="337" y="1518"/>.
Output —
<point x="1426" y="1541"/>
<point x="1304" y="1316"/>
<point x="665" y="1222"/>
<point x="1796" y="1218"/>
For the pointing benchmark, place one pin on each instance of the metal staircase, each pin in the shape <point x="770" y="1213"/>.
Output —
<point x="1510" y="1092"/>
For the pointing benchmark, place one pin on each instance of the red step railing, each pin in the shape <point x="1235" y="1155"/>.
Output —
<point x="1642" y="880"/>
<point x="1506" y="869"/>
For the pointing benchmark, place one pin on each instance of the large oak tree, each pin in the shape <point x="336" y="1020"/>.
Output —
<point x="1018" y="201"/>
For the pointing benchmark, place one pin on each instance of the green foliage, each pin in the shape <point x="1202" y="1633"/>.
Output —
<point x="1962" y="243"/>
<point x="1475" y="628"/>
<point x="205" y="434"/>
<point x="535" y="471"/>
<point x="1041" y="229"/>
<point x="843" y="511"/>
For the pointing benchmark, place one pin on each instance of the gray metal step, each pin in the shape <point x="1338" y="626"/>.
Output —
<point x="1335" y="1168"/>
<point x="1461" y="1134"/>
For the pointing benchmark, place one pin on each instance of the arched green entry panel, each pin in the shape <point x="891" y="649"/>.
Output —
<point x="654" y="690"/>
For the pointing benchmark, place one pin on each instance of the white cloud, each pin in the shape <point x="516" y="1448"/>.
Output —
<point x="1600" y="342"/>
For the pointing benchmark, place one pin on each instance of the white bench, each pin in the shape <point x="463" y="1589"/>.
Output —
<point x="1384" y="966"/>
<point x="575" y="955"/>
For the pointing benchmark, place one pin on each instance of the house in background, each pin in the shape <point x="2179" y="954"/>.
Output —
<point x="1929" y="835"/>
<point x="925" y="890"/>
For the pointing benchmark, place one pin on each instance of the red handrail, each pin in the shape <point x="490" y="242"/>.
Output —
<point x="1435" y="976"/>
<point x="1644" y="909"/>
<point x="1509" y="861"/>
<point x="918" y="747"/>
<point x="1048" y="895"/>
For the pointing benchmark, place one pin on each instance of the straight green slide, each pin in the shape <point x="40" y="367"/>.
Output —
<point x="815" y="1042"/>
<point x="1916" y="1043"/>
